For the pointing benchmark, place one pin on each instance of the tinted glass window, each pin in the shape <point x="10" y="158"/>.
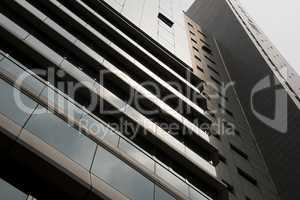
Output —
<point x="57" y="133"/>
<point x="15" y="72"/>
<point x="14" y="104"/>
<point x="122" y="177"/>
<point x="55" y="99"/>
<point x="99" y="130"/>
<point x="8" y="192"/>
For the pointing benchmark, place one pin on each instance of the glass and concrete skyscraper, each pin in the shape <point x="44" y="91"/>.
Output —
<point x="124" y="99"/>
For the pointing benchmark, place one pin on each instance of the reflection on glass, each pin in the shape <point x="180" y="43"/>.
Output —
<point x="57" y="133"/>
<point x="136" y="154"/>
<point x="14" y="104"/>
<point x="64" y="105"/>
<point x="122" y="177"/>
<point x="15" y="72"/>
<point x="8" y="67"/>
<point x="99" y="130"/>
<point x="8" y="192"/>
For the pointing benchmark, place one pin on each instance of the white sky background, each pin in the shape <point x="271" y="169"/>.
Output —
<point x="280" y="21"/>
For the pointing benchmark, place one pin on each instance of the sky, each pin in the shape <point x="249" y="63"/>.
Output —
<point x="280" y="21"/>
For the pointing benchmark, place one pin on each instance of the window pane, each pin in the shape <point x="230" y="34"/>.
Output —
<point x="8" y="192"/>
<point x="18" y="109"/>
<point x="65" y="106"/>
<point x="15" y="72"/>
<point x="99" y="130"/>
<point x="57" y="133"/>
<point x="122" y="177"/>
<point x="162" y="195"/>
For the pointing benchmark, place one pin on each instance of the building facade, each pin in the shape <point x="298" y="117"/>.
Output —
<point x="121" y="99"/>
<point x="267" y="87"/>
